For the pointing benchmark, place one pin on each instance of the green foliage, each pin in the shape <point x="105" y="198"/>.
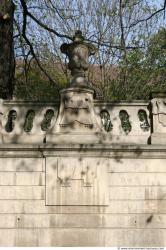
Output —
<point x="144" y="72"/>
<point x="157" y="50"/>
<point x="35" y="86"/>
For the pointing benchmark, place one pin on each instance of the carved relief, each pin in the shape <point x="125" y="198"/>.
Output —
<point x="69" y="173"/>
<point x="161" y="109"/>
<point x="76" y="181"/>
<point x="159" y="119"/>
<point x="76" y="109"/>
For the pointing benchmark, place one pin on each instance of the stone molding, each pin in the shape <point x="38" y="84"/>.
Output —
<point x="100" y="150"/>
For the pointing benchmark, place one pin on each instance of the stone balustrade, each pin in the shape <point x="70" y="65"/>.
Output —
<point x="31" y="122"/>
<point x="26" y="122"/>
<point x="136" y="122"/>
<point x="125" y="122"/>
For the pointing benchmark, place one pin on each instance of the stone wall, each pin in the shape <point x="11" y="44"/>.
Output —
<point x="133" y="212"/>
<point x="87" y="174"/>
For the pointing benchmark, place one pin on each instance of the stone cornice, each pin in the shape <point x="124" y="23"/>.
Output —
<point x="89" y="150"/>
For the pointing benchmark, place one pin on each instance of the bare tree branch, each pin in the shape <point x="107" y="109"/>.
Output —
<point x="25" y="8"/>
<point x="28" y="42"/>
<point x="123" y="44"/>
<point x="120" y="47"/>
<point x="149" y="17"/>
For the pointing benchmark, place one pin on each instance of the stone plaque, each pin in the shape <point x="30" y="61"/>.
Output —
<point x="76" y="181"/>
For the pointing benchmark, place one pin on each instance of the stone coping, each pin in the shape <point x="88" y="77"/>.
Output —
<point x="94" y="150"/>
<point x="122" y="103"/>
<point x="28" y="103"/>
<point x="56" y="103"/>
<point x="74" y="146"/>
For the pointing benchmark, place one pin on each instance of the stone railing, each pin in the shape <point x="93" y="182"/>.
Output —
<point x="137" y="122"/>
<point x="125" y="122"/>
<point x="28" y="122"/>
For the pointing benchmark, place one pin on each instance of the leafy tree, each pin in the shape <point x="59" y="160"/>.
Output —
<point x="35" y="86"/>
<point x="146" y="70"/>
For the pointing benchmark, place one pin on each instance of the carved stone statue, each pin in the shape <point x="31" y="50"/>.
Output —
<point x="78" y="53"/>
<point x="76" y="114"/>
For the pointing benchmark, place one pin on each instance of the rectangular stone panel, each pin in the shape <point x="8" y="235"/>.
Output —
<point x="76" y="181"/>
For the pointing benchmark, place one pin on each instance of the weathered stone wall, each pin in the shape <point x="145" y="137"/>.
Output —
<point x="86" y="174"/>
<point x="133" y="214"/>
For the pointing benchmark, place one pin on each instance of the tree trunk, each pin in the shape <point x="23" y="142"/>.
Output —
<point x="7" y="64"/>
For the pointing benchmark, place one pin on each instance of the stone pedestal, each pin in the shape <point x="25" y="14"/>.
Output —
<point x="158" y="118"/>
<point x="76" y="118"/>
